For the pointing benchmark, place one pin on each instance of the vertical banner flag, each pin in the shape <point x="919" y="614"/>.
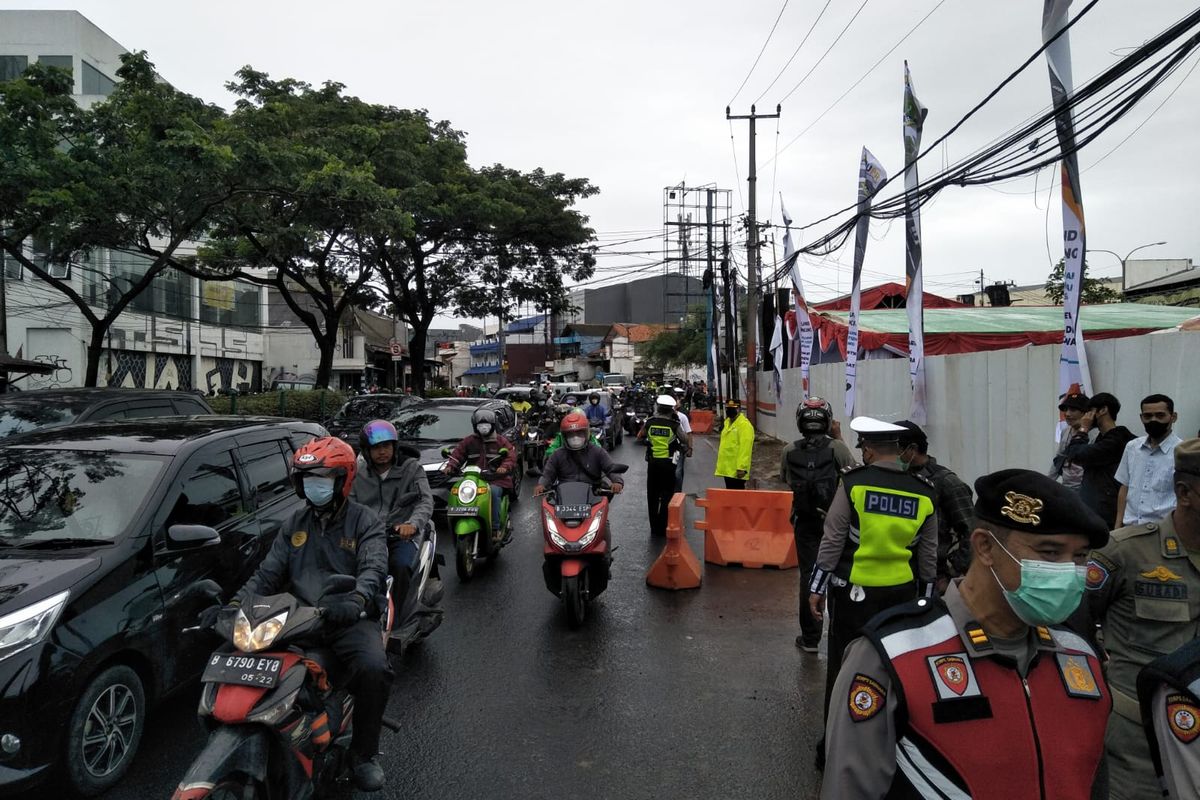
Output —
<point x="870" y="176"/>
<point x="1072" y="364"/>
<point x="914" y="121"/>
<point x="792" y="259"/>
<point x="777" y="358"/>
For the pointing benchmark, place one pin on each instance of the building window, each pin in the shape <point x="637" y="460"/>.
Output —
<point x="11" y="67"/>
<point x="95" y="81"/>
<point x="42" y="256"/>
<point x="12" y="267"/>
<point x="233" y="303"/>
<point x="62" y="62"/>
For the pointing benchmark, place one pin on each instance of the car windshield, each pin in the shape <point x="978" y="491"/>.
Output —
<point x="47" y="495"/>
<point x="367" y="408"/>
<point x="25" y="416"/>
<point x="438" y="424"/>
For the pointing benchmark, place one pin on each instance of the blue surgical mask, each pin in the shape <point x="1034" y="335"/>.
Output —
<point x="318" y="490"/>
<point x="1049" y="592"/>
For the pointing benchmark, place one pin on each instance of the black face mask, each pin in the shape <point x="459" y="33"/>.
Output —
<point x="1155" y="429"/>
<point x="732" y="413"/>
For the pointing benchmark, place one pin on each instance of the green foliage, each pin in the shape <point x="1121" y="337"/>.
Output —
<point x="1094" y="290"/>
<point x="315" y="406"/>
<point x="683" y="347"/>
<point x="432" y="393"/>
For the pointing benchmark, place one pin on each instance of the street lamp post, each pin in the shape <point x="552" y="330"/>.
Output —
<point x="1126" y="258"/>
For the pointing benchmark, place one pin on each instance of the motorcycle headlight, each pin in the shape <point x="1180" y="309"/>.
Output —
<point x="252" y="640"/>
<point x="550" y="526"/>
<point x="27" y="626"/>
<point x="559" y="541"/>
<point x="592" y="531"/>
<point x="467" y="491"/>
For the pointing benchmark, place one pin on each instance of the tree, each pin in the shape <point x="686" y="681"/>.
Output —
<point x="481" y="241"/>
<point x="140" y="172"/>
<point x="1094" y="290"/>
<point x="306" y="155"/>
<point x="680" y="347"/>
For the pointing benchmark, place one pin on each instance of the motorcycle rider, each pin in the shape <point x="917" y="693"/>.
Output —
<point x="334" y="535"/>
<point x="810" y="466"/>
<point x="479" y="449"/>
<point x="520" y="405"/>
<point x="596" y="413"/>
<point x="557" y="442"/>
<point x="579" y="460"/>
<point x="392" y="483"/>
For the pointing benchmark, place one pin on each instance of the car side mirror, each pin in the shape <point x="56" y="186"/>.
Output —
<point x="191" y="537"/>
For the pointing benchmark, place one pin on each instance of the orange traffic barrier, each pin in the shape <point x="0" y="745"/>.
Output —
<point x="677" y="567"/>
<point x="748" y="527"/>
<point x="701" y="421"/>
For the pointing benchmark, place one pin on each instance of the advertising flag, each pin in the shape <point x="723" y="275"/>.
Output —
<point x="792" y="259"/>
<point x="914" y="121"/>
<point x="871" y="176"/>
<point x="777" y="357"/>
<point x="1072" y="364"/>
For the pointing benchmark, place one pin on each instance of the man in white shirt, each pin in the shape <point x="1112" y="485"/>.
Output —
<point x="1147" y="468"/>
<point x="685" y="428"/>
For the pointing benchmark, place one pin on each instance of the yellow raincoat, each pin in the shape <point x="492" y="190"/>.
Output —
<point x="737" y="443"/>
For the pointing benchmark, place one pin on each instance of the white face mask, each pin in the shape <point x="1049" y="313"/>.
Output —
<point x="484" y="428"/>
<point x="576" y="442"/>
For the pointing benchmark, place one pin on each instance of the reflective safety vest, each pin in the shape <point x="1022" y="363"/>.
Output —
<point x="972" y="727"/>
<point x="662" y="438"/>
<point x="887" y="509"/>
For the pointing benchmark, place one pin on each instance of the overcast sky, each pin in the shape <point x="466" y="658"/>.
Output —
<point x="632" y="95"/>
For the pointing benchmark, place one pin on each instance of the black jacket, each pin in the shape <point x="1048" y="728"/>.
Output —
<point x="1100" y="460"/>
<point x="403" y="496"/>
<point x="310" y="549"/>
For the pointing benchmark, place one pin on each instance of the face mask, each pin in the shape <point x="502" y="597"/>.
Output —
<point x="1155" y="429"/>
<point x="483" y="428"/>
<point x="1049" y="591"/>
<point x="731" y="414"/>
<point x="576" y="442"/>
<point x="319" y="491"/>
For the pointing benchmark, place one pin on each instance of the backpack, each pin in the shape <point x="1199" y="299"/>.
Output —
<point x="814" y="475"/>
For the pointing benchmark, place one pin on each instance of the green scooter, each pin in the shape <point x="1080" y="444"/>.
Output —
<point x="469" y="515"/>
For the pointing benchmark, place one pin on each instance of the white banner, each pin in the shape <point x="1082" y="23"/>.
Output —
<point x="870" y="176"/>
<point x="803" y="320"/>
<point x="914" y="120"/>
<point x="1072" y="364"/>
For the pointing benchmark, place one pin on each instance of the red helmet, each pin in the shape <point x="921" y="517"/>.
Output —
<point x="328" y="457"/>
<point x="574" y="422"/>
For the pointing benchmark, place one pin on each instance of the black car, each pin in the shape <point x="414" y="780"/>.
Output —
<point x="105" y="530"/>
<point x="434" y="424"/>
<point x="358" y="411"/>
<point x="44" y="408"/>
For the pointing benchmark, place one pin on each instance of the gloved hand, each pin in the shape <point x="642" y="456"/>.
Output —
<point x="209" y="616"/>
<point x="342" y="610"/>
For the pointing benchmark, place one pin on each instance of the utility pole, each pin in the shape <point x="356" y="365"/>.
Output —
<point x="752" y="265"/>
<point x="730" y="303"/>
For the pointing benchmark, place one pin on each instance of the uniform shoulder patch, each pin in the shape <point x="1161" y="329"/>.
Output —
<point x="1097" y="573"/>
<point x="1077" y="677"/>
<point x="299" y="538"/>
<point x="867" y="698"/>
<point x="1183" y="717"/>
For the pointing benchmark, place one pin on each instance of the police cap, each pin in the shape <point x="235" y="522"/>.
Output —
<point x="665" y="400"/>
<point x="1030" y="502"/>
<point x="876" y="430"/>
<point x="1187" y="457"/>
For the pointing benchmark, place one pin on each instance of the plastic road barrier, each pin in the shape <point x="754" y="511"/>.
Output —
<point x="677" y="567"/>
<point x="748" y="527"/>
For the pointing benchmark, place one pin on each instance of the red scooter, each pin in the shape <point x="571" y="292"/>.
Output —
<point x="578" y="544"/>
<point x="278" y="726"/>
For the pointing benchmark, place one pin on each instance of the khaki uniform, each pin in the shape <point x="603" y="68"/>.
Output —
<point x="1144" y="591"/>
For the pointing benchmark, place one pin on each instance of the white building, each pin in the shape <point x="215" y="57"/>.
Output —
<point x="179" y="333"/>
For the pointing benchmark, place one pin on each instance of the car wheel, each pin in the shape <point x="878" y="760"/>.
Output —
<point x="105" y="730"/>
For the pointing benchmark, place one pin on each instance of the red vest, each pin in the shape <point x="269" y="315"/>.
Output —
<point x="972" y="727"/>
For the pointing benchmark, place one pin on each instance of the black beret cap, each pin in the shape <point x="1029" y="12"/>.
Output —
<point x="1030" y="502"/>
<point x="914" y="436"/>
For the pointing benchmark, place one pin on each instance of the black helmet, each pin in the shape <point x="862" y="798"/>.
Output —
<point x="814" y="416"/>
<point x="484" y="416"/>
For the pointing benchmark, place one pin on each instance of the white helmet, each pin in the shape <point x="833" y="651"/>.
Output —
<point x="666" y="400"/>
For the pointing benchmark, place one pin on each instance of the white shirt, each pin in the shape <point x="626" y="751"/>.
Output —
<point x="685" y="424"/>
<point x="1149" y="473"/>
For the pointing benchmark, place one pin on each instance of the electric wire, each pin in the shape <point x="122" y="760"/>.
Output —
<point x="795" y="52"/>
<point x="828" y="50"/>
<point x="761" y="50"/>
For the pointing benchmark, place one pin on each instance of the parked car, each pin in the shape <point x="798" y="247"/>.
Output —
<point x="105" y="530"/>
<point x="433" y="424"/>
<point x="358" y="411"/>
<point x="21" y="412"/>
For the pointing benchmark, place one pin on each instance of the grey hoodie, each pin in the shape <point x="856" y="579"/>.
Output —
<point x="403" y="495"/>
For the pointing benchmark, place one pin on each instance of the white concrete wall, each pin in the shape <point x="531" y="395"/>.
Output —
<point x="993" y="410"/>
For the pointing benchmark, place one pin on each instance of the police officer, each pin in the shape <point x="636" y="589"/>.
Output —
<point x="980" y="693"/>
<point x="331" y="535"/>
<point x="881" y="517"/>
<point x="664" y="446"/>
<point x="1169" y="693"/>
<point x="810" y="466"/>
<point x="1144" y="592"/>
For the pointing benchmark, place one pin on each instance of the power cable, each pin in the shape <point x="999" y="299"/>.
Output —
<point x="762" y="50"/>
<point x="828" y="50"/>
<point x="795" y="52"/>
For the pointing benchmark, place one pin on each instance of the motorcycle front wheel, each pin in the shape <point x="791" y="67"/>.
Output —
<point x="573" y="603"/>
<point x="464" y="561"/>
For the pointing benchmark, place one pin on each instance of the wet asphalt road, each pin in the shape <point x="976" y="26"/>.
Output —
<point x="687" y="694"/>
